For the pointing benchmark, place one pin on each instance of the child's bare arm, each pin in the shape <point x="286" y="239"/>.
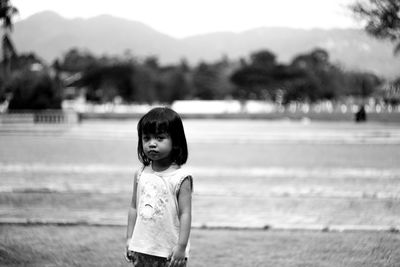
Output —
<point x="185" y="211"/>
<point x="185" y="217"/>
<point x="132" y="212"/>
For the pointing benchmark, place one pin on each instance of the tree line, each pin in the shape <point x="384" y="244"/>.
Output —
<point x="309" y="77"/>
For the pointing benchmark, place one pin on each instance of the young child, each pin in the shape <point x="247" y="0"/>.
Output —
<point x="159" y="218"/>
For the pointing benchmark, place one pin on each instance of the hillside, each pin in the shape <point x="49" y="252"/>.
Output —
<point x="50" y="35"/>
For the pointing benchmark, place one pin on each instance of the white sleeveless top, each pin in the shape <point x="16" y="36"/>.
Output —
<point x="156" y="231"/>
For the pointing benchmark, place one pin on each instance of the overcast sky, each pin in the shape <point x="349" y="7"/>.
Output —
<point x="181" y="18"/>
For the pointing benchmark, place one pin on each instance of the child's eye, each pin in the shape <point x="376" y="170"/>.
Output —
<point x="145" y="138"/>
<point x="161" y="137"/>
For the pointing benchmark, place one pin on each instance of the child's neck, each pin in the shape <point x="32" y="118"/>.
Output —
<point x="161" y="165"/>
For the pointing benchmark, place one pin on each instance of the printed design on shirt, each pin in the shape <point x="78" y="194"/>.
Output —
<point x="153" y="199"/>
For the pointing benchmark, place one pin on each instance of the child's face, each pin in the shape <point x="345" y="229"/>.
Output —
<point x="157" y="146"/>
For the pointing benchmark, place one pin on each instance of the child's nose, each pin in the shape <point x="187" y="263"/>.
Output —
<point x="152" y="142"/>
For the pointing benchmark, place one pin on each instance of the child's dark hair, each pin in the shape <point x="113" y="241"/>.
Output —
<point x="163" y="120"/>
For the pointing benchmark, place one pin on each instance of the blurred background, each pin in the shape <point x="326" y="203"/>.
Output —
<point x="312" y="57"/>
<point x="291" y="111"/>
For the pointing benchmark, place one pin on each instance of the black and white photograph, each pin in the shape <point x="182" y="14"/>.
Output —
<point x="177" y="133"/>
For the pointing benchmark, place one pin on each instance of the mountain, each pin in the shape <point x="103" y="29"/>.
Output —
<point x="49" y="35"/>
<point x="352" y="49"/>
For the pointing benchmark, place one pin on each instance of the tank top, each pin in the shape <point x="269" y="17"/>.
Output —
<point x="156" y="231"/>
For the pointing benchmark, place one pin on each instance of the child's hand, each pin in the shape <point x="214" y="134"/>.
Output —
<point x="128" y="253"/>
<point x="177" y="257"/>
<point x="129" y="256"/>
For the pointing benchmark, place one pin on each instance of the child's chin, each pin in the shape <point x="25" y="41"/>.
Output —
<point x="153" y="157"/>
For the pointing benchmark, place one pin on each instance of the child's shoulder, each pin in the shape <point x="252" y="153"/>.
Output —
<point x="185" y="171"/>
<point x="174" y="171"/>
<point x="139" y="170"/>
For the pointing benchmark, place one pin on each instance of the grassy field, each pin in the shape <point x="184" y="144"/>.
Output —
<point x="104" y="246"/>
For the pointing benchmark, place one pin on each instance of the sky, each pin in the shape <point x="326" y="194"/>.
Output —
<point x="182" y="18"/>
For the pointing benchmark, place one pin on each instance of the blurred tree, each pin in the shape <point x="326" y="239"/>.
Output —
<point x="26" y="61"/>
<point x="151" y="62"/>
<point x="172" y="84"/>
<point x="251" y="82"/>
<point x="7" y="11"/>
<point x="211" y="80"/>
<point x="316" y="78"/>
<point x="263" y="59"/>
<point x="256" y="79"/>
<point x="382" y="17"/>
<point x="21" y="62"/>
<point x="77" y="61"/>
<point x="318" y="58"/>
<point x="145" y="84"/>
<point x="391" y="93"/>
<point x="310" y="77"/>
<point x="204" y="81"/>
<point x="33" y="90"/>
<point x="362" y="84"/>
<point x="104" y="83"/>
<point x="225" y="87"/>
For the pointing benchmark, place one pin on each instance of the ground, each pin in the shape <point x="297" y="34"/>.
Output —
<point x="50" y="245"/>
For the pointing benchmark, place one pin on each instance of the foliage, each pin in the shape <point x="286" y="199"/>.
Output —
<point x="309" y="77"/>
<point x="7" y="11"/>
<point x="104" y="83"/>
<point x="22" y="62"/>
<point x="26" y="61"/>
<point x="107" y="78"/>
<point x="259" y="78"/>
<point x="382" y="17"/>
<point x="33" y="90"/>
<point x="76" y="61"/>
<point x="362" y="84"/>
<point x="211" y="82"/>
<point x="316" y="78"/>
<point x="172" y="84"/>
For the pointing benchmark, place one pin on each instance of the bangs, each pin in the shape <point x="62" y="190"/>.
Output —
<point x="155" y="126"/>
